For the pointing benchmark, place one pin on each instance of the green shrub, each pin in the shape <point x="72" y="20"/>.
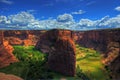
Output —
<point x="80" y="74"/>
<point x="31" y="65"/>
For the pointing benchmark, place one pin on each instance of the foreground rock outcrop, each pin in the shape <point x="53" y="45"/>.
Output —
<point x="4" y="76"/>
<point x="6" y="56"/>
<point x="61" y="49"/>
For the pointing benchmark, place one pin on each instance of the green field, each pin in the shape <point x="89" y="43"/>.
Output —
<point x="90" y="62"/>
<point x="33" y="66"/>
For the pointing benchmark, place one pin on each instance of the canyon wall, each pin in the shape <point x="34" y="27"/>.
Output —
<point x="99" y="40"/>
<point x="6" y="56"/>
<point x="22" y="37"/>
<point x="61" y="49"/>
<point x="106" y="42"/>
<point x="1" y="37"/>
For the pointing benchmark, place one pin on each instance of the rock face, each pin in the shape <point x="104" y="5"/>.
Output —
<point x="6" y="56"/>
<point x="61" y="49"/>
<point x="1" y="37"/>
<point x="18" y="37"/>
<point x="4" y="76"/>
<point x="100" y="40"/>
<point x="106" y="42"/>
<point x="115" y="68"/>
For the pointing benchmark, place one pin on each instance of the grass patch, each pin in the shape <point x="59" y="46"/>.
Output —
<point x="33" y="66"/>
<point x="89" y="61"/>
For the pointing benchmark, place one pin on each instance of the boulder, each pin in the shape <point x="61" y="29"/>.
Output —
<point x="61" y="49"/>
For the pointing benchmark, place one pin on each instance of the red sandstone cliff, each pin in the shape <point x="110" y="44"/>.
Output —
<point x="104" y="41"/>
<point x="61" y="49"/>
<point x="6" y="56"/>
<point x="98" y="40"/>
<point x="24" y="37"/>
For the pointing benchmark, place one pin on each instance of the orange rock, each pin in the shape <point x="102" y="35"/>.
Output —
<point x="24" y="37"/>
<point x="6" y="56"/>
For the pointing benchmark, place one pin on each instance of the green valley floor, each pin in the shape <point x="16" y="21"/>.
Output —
<point x="32" y="65"/>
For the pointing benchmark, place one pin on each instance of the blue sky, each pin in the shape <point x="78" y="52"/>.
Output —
<point x="67" y="14"/>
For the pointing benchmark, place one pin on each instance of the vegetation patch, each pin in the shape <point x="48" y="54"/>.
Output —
<point x="89" y="61"/>
<point x="32" y="65"/>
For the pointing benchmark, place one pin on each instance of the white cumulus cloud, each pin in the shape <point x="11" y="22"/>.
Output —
<point x="65" y="18"/>
<point x="117" y="8"/>
<point x="112" y="22"/>
<point x="26" y="21"/>
<point x="78" y="12"/>
<point x="105" y="22"/>
<point x="22" y="20"/>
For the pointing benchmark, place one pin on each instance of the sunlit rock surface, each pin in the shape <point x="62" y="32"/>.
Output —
<point x="24" y="37"/>
<point x="6" y="56"/>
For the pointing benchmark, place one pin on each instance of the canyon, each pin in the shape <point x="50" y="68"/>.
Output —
<point x="107" y="42"/>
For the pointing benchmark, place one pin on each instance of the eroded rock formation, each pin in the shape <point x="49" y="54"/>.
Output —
<point x="104" y="41"/>
<point x="99" y="39"/>
<point x="6" y="56"/>
<point x="61" y="49"/>
<point x="24" y="37"/>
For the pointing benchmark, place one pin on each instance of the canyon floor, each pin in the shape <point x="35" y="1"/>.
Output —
<point x="32" y="65"/>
